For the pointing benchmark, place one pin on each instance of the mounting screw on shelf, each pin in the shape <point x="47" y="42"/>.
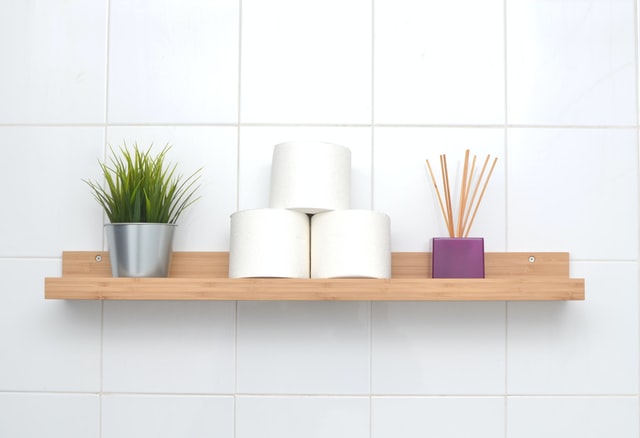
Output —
<point x="532" y="259"/>
<point x="98" y="258"/>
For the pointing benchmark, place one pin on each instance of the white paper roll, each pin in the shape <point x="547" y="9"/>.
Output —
<point x="350" y="243"/>
<point x="269" y="243"/>
<point x="311" y="177"/>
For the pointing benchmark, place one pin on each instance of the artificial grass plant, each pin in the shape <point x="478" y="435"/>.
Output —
<point x="140" y="187"/>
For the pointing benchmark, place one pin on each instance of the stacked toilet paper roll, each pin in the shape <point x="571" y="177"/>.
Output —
<point x="269" y="242"/>
<point x="350" y="243"/>
<point x="310" y="179"/>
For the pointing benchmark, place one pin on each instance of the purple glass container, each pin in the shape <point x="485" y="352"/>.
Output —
<point x="457" y="257"/>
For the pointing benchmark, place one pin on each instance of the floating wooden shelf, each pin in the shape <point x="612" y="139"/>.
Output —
<point x="204" y="276"/>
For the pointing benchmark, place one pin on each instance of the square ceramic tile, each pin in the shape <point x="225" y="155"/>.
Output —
<point x="294" y="417"/>
<point x="50" y="209"/>
<point x="167" y="416"/>
<point x="435" y="64"/>
<point x="571" y="62"/>
<point x="54" y="59"/>
<point x="574" y="190"/>
<point x="169" y="347"/>
<point x="205" y="225"/>
<point x="303" y="348"/>
<point x="582" y="347"/>
<point x="173" y="62"/>
<point x="49" y="415"/>
<point x="560" y="417"/>
<point x="483" y="417"/>
<point x="306" y="62"/>
<point x="47" y="345"/>
<point x="403" y="187"/>
<point x="256" y="152"/>
<point x="438" y="348"/>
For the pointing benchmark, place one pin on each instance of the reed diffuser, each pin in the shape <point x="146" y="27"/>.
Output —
<point x="467" y="205"/>
<point x="460" y="256"/>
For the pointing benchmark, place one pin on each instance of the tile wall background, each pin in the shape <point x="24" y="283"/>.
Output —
<point x="549" y="87"/>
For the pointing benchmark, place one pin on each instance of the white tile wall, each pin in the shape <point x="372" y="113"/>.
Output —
<point x="308" y="348"/>
<point x="443" y="417"/>
<point x="550" y="88"/>
<point x="46" y="345"/>
<point x="173" y="62"/>
<point x="277" y="417"/>
<point x="306" y="62"/>
<point x="420" y="80"/>
<point x="588" y="347"/>
<point x="53" y="58"/>
<point x="571" y="63"/>
<point x="438" y="348"/>
<point x="47" y="208"/>
<point x="574" y="190"/>
<point x="558" y="417"/>
<point x="133" y="416"/>
<point x="169" y="347"/>
<point x="51" y="415"/>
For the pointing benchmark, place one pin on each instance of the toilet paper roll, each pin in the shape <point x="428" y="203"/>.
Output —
<point x="269" y="243"/>
<point x="310" y="177"/>
<point x="350" y="243"/>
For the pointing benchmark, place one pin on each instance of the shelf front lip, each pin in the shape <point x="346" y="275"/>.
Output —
<point x="352" y="289"/>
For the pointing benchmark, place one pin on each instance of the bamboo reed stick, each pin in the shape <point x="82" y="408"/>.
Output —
<point x="484" y="188"/>
<point x="469" y="185"/>
<point x="447" y="189"/>
<point x="475" y="192"/>
<point x="435" y="185"/>
<point x="463" y="189"/>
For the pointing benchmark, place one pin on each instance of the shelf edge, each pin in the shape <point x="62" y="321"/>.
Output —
<point x="520" y="289"/>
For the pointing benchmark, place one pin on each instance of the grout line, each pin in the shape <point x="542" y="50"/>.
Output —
<point x="372" y="157"/>
<point x="373" y="99"/>
<point x="238" y="151"/>
<point x="567" y="396"/>
<point x="32" y="259"/>
<point x="239" y="102"/>
<point x="371" y="369"/>
<point x="363" y="396"/>
<point x="101" y="367"/>
<point x="235" y="372"/>
<point x="106" y="73"/>
<point x="50" y="392"/>
<point x="495" y="126"/>
<point x="104" y="145"/>
<point x="506" y="214"/>
<point x="506" y="366"/>
<point x="506" y="123"/>
<point x="319" y="125"/>
<point x="637" y="65"/>
<point x="372" y="206"/>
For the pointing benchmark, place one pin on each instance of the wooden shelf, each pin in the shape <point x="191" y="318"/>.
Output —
<point x="204" y="276"/>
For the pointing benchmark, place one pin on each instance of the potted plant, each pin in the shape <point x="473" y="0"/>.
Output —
<point x="143" y="198"/>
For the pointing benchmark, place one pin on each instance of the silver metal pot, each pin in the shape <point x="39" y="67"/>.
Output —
<point x="140" y="249"/>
